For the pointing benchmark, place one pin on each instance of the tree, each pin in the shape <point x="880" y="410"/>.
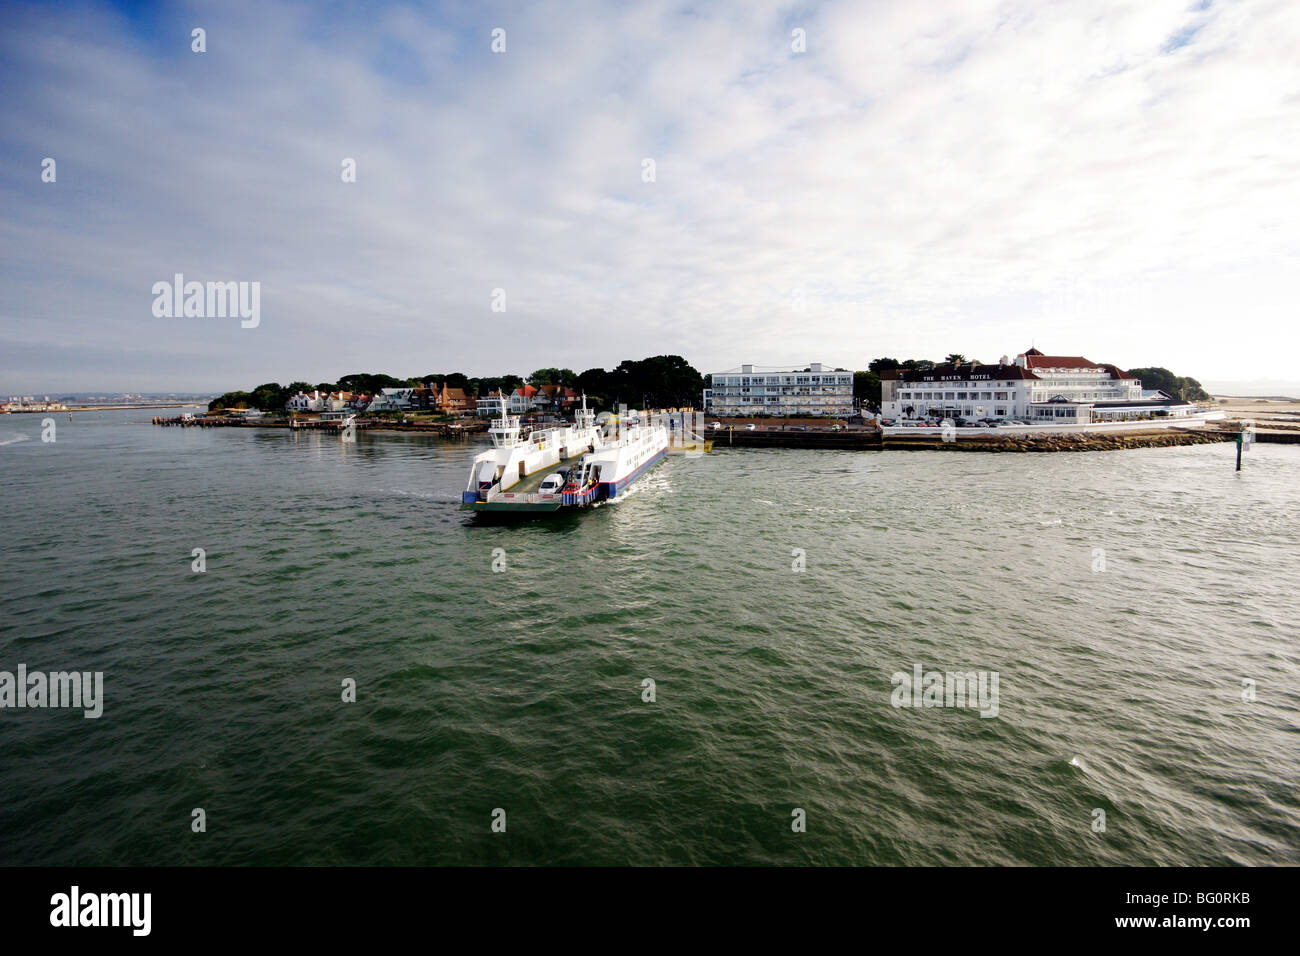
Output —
<point x="594" y="383"/>
<point x="552" y="376"/>
<point x="450" y="379"/>
<point x="661" y="381"/>
<point x="502" y="383"/>
<point x="955" y="358"/>
<point x="230" y="400"/>
<point x="270" y="397"/>
<point x="1181" y="387"/>
<point x="366" y="383"/>
<point x="883" y="365"/>
<point x="866" y="388"/>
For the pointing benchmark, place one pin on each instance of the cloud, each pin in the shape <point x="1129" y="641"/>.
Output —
<point x="1111" y="179"/>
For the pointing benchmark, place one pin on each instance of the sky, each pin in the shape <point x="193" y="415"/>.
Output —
<point x="831" y="182"/>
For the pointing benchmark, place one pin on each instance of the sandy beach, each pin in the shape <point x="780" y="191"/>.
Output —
<point x="1268" y="414"/>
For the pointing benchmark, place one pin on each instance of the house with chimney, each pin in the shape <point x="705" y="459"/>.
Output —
<point x="312" y="401"/>
<point x="453" y="401"/>
<point x="556" y="398"/>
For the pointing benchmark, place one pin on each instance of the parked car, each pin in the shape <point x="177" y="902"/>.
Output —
<point x="751" y="427"/>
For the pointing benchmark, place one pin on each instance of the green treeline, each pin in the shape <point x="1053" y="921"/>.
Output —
<point x="1184" y="387"/>
<point x="661" y="381"/>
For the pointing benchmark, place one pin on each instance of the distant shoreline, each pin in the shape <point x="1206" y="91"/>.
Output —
<point x="98" y="408"/>
<point x="1258" y="398"/>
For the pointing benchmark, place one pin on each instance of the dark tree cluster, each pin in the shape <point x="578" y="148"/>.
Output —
<point x="662" y="381"/>
<point x="1183" y="387"/>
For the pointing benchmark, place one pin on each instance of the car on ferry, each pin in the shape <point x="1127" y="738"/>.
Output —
<point x="553" y="483"/>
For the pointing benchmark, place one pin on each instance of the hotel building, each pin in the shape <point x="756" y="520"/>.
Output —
<point x="1038" y="388"/>
<point x="811" y="390"/>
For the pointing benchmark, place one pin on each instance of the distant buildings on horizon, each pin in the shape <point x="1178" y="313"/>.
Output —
<point x="445" y="399"/>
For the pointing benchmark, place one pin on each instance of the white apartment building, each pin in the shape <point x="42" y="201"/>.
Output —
<point x="1060" y="389"/>
<point x="811" y="390"/>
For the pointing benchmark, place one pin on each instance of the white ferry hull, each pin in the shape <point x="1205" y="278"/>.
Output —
<point x="607" y="474"/>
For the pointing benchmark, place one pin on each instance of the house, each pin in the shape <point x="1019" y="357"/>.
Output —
<point x="422" y="399"/>
<point x="337" y="401"/>
<point x="556" y="398"/>
<point x="492" y="405"/>
<point x="312" y="401"/>
<point x="453" y="401"/>
<point x="391" y="400"/>
<point x="522" y="399"/>
<point x="566" y="399"/>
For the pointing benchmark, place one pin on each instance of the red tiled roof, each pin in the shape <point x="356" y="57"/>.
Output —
<point x="1118" y="372"/>
<point x="527" y="391"/>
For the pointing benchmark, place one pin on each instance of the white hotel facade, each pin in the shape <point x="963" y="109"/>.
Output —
<point x="1042" y="389"/>
<point x="809" y="390"/>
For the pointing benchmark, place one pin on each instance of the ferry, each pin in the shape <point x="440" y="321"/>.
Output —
<point x="605" y="473"/>
<point x="518" y="472"/>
